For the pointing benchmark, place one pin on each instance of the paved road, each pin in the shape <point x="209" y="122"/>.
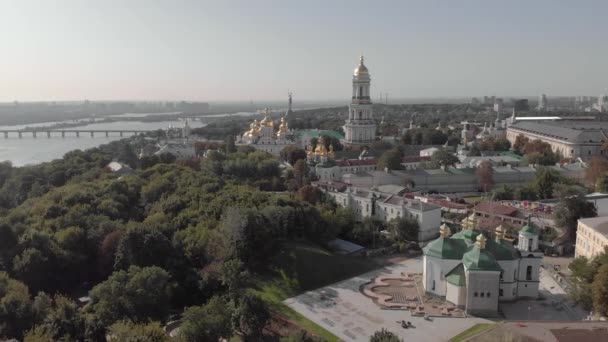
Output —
<point x="544" y="310"/>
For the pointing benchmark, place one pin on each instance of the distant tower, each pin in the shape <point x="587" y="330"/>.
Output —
<point x="186" y="130"/>
<point x="542" y="102"/>
<point x="290" y="99"/>
<point x="360" y="127"/>
<point x="510" y="121"/>
<point x="602" y="103"/>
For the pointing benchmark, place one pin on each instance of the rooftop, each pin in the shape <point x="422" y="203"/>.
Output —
<point x="495" y="208"/>
<point x="344" y="247"/>
<point x="315" y="133"/>
<point x="331" y="185"/>
<point x="478" y="259"/>
<point x="456" y="276"/>
<point x="599" y="224"/>
<point x="356" y="162"/>
<point x="409" y="203"/>
<point x="570" y="131"/>
<point x="556" y="331"/>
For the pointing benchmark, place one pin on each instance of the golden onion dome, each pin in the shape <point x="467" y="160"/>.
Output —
<point x="266" y="122"/>
<point x="361" y="69"/>
<point x="283" y="125"/>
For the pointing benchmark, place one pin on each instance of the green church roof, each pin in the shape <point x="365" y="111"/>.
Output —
<point x="446" y="248"/>
<point x="319" y="133"/>
<point x="480" y="260"/>
<point x="466" y="234"/>
<point x="528" y="230"/>
<point x="456" y="276"/>
<point x="502" y="250"/>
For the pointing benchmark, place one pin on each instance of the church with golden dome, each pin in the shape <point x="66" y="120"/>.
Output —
<point x="264" y="136"/>
<point x="476" y="270"/>
<point x="360" y="126"/>
<point x="319" y="154"/>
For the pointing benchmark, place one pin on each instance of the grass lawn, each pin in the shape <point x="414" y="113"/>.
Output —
<point x="472" y="331"/>
<point x="300" y="267"/>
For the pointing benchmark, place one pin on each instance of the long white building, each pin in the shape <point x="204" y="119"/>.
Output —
<point x="570" y="138"/>
<point x="387" y="206"/>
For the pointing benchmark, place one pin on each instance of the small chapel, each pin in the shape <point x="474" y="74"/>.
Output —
<point x="475" y="271"/>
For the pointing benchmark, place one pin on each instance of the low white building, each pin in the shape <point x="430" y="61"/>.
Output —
<point x="180" y="149"/>
<point x="428" y="152"/>
<point x="570" y="138"/>
<point x="334" y="170"/>
<point x="120" y="169"/>
<point x="386" y="206"/>
<point x="591" y="236"/>
<point x="455" y="180"/>
<point x="473" y="162"/>
<point x="475" y="273"/>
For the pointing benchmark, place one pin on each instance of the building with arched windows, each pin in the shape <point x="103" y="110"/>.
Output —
<point x="570" y="138"/>
<point x="360" y="126"/>
<point x="476" y="272"/>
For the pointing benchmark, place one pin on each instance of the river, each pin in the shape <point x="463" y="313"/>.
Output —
<point x="29" y="150"/>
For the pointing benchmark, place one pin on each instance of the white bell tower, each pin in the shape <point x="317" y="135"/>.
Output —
<point x="360" y="127"/>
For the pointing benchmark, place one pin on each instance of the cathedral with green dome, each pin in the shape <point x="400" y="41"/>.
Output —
<point x="475" y="272"/>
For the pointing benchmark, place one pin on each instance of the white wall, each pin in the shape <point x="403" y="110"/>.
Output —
<point x="456" y="294"/>
<point x="485" y="282"/>
<point x="429" y="224"/>
<point x="525" y="287"/>
<point x="436" y="269"/>
<point x="509" y="279"/>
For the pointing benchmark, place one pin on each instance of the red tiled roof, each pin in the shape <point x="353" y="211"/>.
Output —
<point x="356" y="162"/>
<point x="495" y="208"/>
<point x="448" y="204"/>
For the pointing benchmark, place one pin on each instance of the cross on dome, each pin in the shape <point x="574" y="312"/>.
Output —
<point x="361" y="69"/>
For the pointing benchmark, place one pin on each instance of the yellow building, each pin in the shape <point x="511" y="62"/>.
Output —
<point x="591" y="236"/>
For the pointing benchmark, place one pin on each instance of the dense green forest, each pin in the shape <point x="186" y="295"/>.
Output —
<point x="168" y="240"/>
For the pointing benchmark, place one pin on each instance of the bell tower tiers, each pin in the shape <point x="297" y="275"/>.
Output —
<point x="360" y="127"/>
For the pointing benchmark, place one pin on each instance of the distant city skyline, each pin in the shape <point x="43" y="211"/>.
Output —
<point x="219" y="51"/>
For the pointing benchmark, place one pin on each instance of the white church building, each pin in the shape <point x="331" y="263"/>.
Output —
<point x="475" y="272"/>
<point x="263" y="136"/>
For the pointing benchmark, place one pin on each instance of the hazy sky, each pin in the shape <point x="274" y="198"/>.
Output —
<point x="257" y="49"/>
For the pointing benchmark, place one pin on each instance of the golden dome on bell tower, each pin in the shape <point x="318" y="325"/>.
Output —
<point x="361" y="69"/>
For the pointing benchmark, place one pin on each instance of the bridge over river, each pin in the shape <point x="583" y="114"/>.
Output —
<point x="70" y="132"/>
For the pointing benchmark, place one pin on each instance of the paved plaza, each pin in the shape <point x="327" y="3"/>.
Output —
<point x="555" y="307"/>
<point x="348" y="314"/>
